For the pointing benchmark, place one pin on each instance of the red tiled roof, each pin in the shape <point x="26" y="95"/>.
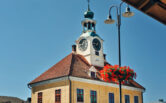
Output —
<point x="72" y="65"/>
<point x="134" y="83"/>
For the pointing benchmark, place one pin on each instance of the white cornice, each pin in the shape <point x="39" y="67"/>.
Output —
<point x="104" y="83"/>
<point x="49" y="81"/>
<point x="85" y="81"/>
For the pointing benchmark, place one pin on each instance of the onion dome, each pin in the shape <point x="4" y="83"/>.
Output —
<point x="89" y="14"/>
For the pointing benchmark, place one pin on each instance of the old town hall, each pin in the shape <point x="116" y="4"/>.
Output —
<point x="76" y="78"/>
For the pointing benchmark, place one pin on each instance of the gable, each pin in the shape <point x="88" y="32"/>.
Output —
<point x="74" y="65"/>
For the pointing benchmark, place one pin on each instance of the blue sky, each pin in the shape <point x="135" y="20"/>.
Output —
<point x="36" y="34"/>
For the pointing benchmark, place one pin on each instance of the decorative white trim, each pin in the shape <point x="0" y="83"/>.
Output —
<point x="49" y="81"/>
<point x="104" y="83"/>
<point x="93" y="69"/>
<point x="85" y="81"/>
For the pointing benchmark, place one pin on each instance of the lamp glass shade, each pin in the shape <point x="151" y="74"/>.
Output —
<point x="128" y="14"/>
<point x="109" y="21"/>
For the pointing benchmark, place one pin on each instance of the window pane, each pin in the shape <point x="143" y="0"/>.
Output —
<point x="135" y="99"/>
<point x="58" y="96"/>
<point x="89" y="25"/>
<point x="127" y="99"/>
<point x="111" y="97"/>
<point x="40" y="97"/>
<point x="80" y="95"/>
<point x="93" y="96"/>
<point x="92" y="74"/>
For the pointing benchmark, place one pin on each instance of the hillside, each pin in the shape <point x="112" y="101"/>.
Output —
<point x="7" y="99"/>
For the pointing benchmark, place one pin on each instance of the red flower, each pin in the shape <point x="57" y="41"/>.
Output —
<point x="114" y="73"/>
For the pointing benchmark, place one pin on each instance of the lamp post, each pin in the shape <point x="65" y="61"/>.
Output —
<point x="109" y="20"/>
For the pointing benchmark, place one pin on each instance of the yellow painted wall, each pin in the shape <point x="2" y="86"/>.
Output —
<point x="102" y="93"/>
<point x="49" y="92"/>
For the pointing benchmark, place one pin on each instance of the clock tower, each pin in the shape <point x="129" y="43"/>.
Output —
<point x="89" y="44"/>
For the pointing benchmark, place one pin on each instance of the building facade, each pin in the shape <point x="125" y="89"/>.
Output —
<point x="76" y="78"/>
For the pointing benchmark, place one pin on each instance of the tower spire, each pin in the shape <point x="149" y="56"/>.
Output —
<point x="88" y="23"/>
<point x="89" y="14"/>
<point x="88" y="5"/>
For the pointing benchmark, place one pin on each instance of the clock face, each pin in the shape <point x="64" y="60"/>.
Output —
<point x="96" y="44"/>
<point x="83" y="44"/>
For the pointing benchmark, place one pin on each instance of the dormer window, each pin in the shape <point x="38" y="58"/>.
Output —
<point x="93" y="74"/>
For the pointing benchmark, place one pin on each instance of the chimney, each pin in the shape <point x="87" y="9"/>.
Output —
<point x="104" y="56"/>
<point x="73" y="48"/>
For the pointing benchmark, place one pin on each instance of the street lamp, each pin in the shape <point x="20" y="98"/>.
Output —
<point x="109" y="20"/>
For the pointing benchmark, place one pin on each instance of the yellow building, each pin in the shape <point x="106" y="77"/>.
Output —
<point x="76" y="78"/>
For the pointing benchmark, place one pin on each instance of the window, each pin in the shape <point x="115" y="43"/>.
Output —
<point x="135" y="99"/>
<point x="93" y="96"/>
<point x="127" y="99"/>
<point x="80" y="95"/>
<point x="85" y="24"/>
<point x="40" y="97"/>
<point x="111" y="97"/>
<point x="93" y="74"/>
<point x="97" y="53"/>
<point x="58" y="96"/>
<point x="89" y="25"/>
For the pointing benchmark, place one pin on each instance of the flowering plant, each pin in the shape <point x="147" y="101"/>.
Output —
<point x="116" y="73"/>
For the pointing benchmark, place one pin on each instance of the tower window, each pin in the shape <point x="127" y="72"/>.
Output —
<point x="85" y="24"/>
<point x="39" y="97"/>
<point x="89" y="25"/>
<point x="97" y="53"/>
<point x="93" y="25"/>
<point x="58" y="96"/>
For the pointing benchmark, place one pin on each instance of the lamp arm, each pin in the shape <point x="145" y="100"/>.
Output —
<point x="113" y="7"/>
<point x="120" y="5"/>
<point x="119" y="15"/>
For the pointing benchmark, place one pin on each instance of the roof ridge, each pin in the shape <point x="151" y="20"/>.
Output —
<point x="136" y="84"/>
<point x="85" y="61"/>
<point x="71" y="65"/>
<point x="51" y="69"/>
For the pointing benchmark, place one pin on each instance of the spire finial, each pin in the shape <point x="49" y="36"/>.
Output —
<point x="88" y="13"/>
<point x="88" y="5"/>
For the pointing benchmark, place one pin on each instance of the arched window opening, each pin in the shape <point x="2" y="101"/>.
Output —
<point x="93" y="26"/>
<point x="89" y="25"/>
